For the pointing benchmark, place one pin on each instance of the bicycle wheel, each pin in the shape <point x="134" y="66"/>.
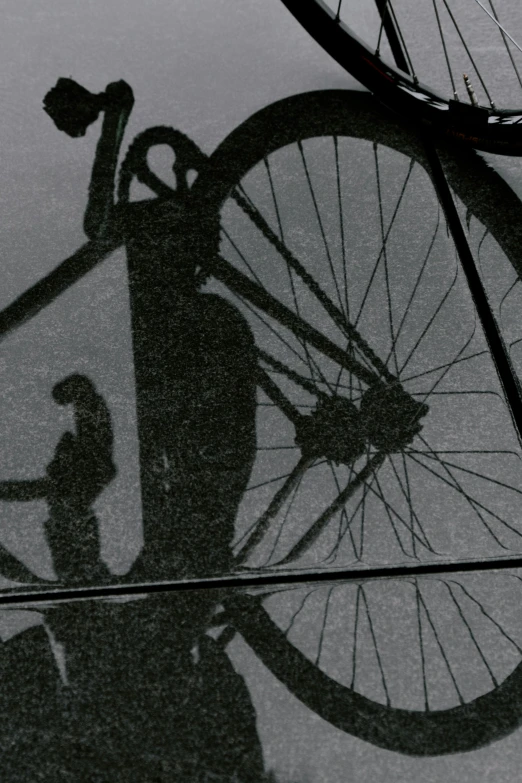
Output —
<point x="449" y="681"/>
<point x="471" y="52"/>
<point x="327" y="370"/>
<point x="346" y="329"/>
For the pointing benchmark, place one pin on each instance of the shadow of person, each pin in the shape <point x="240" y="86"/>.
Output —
<point x="134" y="699"/>
<point x="81" y="468"/>
<point x="135" y="690"/>
<point x="194" y="355"/>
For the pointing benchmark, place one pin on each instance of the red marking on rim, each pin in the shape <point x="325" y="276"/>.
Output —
<point x="390" y="79"/>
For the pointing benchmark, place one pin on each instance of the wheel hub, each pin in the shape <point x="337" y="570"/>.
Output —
<point x="391" y="417"/>
<point x="334" y="430"/>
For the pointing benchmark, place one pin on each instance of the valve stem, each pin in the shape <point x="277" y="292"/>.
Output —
<point x="469" y="88"/>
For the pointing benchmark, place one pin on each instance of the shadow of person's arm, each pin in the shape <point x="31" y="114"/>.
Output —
<point x="80" y="470"/>
<point x="35" y="489"/>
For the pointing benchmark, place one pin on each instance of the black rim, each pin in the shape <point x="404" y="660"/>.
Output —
<point x="486" y="129"/>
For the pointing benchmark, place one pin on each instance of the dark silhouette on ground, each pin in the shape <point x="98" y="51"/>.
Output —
<point x="133" y="691"/>
<point x="194" y="355"/>
<point x="81" y="468"/>
<point x="138" y="690"/>
<point x="135" y="699"/>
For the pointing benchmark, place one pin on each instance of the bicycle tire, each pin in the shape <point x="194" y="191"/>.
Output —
<point x="487" y="719"/>
<point x="406" y="731"/>
<point x="486" y="129"/>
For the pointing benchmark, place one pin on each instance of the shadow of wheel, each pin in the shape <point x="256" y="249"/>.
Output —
<point x="492" y="715"/>
<point x="486" y="719"/>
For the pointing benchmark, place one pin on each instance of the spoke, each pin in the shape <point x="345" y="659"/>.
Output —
<point x="333" y="311"/>
<point x="245" y="195"/>
<point x="448" y="368"/>
<point x="421" y="647"/>
<point x="341" y="224"/>
<point x="385" y="257"/>
<point x="343" y="517"/>
<point x="381" y="28"/>
<point x="443" y="366"/>
<point x="417" y="283"/>
<point x="350" y="350"/>
<point x="262" y="525"/>
<point x="440" y="646"/>
<point x="321" y="523"/>
<point x="366" y="489"/>
<point x="407" y="495"/>
<point x="312" y="364"/>
<point x="363" y="516"/>
<point x="400" y="519"/>
<point x="301" y="379"/>
<point x="404" y="52"/>
<point x="464" y="44"/>
<point x="511" y="287"/>
<point x="392" y="221"/>
<point x="469" y="215"/>
<point x="271" y="329"/>
<point x="321" y="227"/>
<point x="338" y="384"/>
<point x="348" y="526"/>
<point x="295" y="490"/>
<point x="274" y="199"/>
<point x="471" y="634"/>
<point x="241" y="256"/>
<point x="443" y="40"/>
<point x="269" y="481"/>
<point x="471" y="500"/>
<point x="429" y="455"/>
<point x="495" y="19"/>
<point x="375" y="647"/>
<point x="429" y="324"/>
<point x="355" y="636"/>
<point x="258" y="280"/>
<point x="488" y="616"/>
<point x="458" y="488"/>
<point x="475" y="504"/>
<point x="321" y="637"/>
<point x="390" y="518"/>
<point x="299" y="610"/>
<point x="394" y="36"/>
<point x="288" y="269"/>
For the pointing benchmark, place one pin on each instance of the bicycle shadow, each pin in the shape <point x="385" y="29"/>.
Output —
<point x="135" y="690"/>
<point x="197" y="433"/>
